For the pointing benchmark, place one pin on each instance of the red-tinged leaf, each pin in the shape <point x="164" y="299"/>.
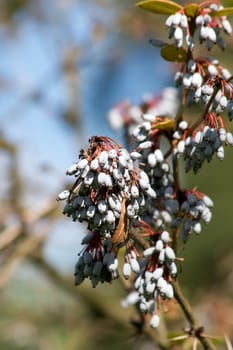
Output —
<point x="173" y="54"/>
<point x="192" y="10"/>
<point x="227" y="11"/>
<point x="162" y="7"/>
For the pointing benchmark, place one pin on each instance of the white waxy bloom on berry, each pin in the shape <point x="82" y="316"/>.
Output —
<point x="149" y="251"/>
<point x="161" y="283"/>
<point x="169" y="291"/>
<point x="110" y="217"/>
<point x="197" y="227"/>
<point x="112" y="154"/>
<point x="91" y="211"/>
<point x="166" y="216"/>
<point x="177" y="135"/>
<point x="150" y="287"/>
<point x="135" y="155"/>
<point x="131" y="299"/>
<point x="94" y="164"/>
<point x="101" y="178"/>
<point x="173" y="269"/>
<point x="144" y="184"/>
<point x="187" y="80"/>
<point x="148" y="117"/>
<point x="146" y="125"/>
<point x="126" y="270"/>
<point x="212" y="35"/>
<point x="102" y="206"/>
<point x="82" y="163"/>
<point x="178" y="36"/>
<point x="206" y="89"/>
<point x="154" y="322"/>
<point x="139" y="280"/>
<point x="183" y="125"/>
<point x="161" y="257"/>
<point x="89" y="178"/>
<point x="123" y="161"/>
<point x="63" y="195"/>
<point x="151" y="192"/>
<point x="176" y="19"/>
<point x="206" y="215"/>
<point x="117" y="174"/>
<point x="199" y="20"/>
<point x="159" y="155"/>
<point x="113" y="265"/>
<point x="208" y="201"/>
<point x="227" y="26"/>
<point x="165" y="236"/>
<point x="151" y="159"/>
<point x="196" y="80"/>
<point x="72" y="169"/>
<point x="184" y="21"/>
<point x="85" y="171"/>
<point x="157" y="273"/>
<point x="181" y="146"/>
<point x="223" y="102"/>
<point x="226" y="74"/>
<point x="131" y="213"/>
<point x="103" y="157"/>
<point x="220" y="153"/>
<point x="134" y="191"/>
<point x="222" y="134"/>
<point x="198" y="137"/>
<point x="169" y="253"/>
<point x="169" y="21"/>
<point x="204" y="32"/>
<point x="191" y="66"/>
<point x="229" y="138"/>
<point x="145" y="145"/>
<point x="159" y="245"/>
<point x="143" y="306"/>
<point x="108" y="180"/>
<point x="134" y="265"/>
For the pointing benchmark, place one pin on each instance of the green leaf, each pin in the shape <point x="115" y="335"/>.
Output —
<point x="171" y="53"/>
<point x="224" y="12"/>
<point x="162" y="7"/>
<point x="157" y="42"/>
<point x="192" y="10"/>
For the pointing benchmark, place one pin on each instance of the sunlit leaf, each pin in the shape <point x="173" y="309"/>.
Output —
<point x="224" y="12"/>
<point x="165" y="124"/>
<point x="191" y="10"/>
<point x="173" y="54"/>
<point x="164" y="7"/>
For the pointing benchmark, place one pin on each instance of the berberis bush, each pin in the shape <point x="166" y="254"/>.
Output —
<point x="130" y="199"/>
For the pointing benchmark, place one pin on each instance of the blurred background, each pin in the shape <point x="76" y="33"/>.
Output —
<point x="63" y="65"/>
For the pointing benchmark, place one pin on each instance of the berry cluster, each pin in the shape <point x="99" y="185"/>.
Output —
<point x="207" y="21"/>
<point x="152" y="285"/>
<point x="210" y="26"/>
<point x="206" y="81"/>
<point x="208" y="139"/>
<point x="194" y="208"/>
<point x="107" y="182"/>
